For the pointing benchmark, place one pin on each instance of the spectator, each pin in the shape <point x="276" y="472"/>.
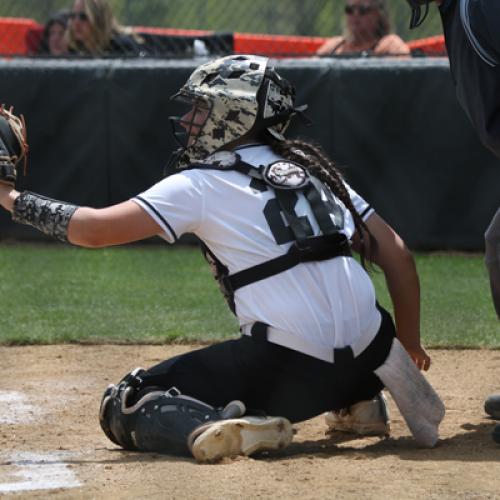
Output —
<point x="53" y="42"/>
<point x="367" y="32"/>
<point x="94" y="30"/>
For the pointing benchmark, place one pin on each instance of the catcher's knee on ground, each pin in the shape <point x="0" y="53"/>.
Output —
<point x="165" y="421"/>
<point x="368" y="418"/>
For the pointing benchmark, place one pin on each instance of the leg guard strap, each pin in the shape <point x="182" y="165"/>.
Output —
<point x="153" y="419"/>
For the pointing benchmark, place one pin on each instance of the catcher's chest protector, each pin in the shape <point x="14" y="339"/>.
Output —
<point x="287" y="179"/>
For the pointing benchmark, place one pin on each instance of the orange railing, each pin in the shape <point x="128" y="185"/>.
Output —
<point x="248" y="43"/>
<point x="15" y="35"/>
<point x="21" y="36"/>
<point x="431" y="46"/>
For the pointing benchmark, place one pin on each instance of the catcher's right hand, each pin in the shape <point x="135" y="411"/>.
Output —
<point x="13" y="144"/>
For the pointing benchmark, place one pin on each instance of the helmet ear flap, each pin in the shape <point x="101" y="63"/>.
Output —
<point x="275" y="105"/>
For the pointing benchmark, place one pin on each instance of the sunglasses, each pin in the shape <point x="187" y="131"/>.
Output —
<point x="81" y="16"/>
<point x="362" y="10"/>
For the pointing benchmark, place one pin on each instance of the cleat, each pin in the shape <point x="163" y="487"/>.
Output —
<point x="241" y="436"/>
<point x="366" y="418"/>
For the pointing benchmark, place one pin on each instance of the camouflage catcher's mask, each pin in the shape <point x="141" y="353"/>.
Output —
<point x="235" y="95"/>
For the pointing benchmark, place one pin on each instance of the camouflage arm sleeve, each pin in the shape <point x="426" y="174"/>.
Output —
<point x="45" y="214"/>
<point x="492" y="258"/>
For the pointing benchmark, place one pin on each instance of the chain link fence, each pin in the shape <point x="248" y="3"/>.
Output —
<point x="187" y="27"/>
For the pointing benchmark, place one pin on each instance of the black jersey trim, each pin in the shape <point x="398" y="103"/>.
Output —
<point x="365" y="211"/>
<point x="167" y="225"/>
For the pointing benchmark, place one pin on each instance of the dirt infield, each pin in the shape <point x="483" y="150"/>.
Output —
<point x="51" y="443"/>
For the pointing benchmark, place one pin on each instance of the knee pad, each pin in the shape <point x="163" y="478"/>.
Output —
<point x="152" y="418"/>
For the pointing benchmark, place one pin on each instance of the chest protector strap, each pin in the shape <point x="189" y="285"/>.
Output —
<point x="309" y="250"/>
<point x="286" y="178"/>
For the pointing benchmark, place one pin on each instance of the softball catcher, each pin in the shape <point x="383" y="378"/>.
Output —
<point x="278" y="226"/>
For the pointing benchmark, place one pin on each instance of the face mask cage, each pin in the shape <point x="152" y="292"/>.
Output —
<point x="189" y="127"/>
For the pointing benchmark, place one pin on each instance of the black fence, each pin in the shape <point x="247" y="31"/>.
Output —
<point x="99" y="134"/>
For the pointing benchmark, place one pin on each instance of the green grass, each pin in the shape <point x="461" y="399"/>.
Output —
<point x="456" y="305"/>
<point x="53" y="293"/>
<point x="156" y="293"/>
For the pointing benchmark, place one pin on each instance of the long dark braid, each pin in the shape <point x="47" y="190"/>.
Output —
<point x="317" y="162"/>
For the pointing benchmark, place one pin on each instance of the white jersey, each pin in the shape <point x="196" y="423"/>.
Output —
<point x="330" y="303"/>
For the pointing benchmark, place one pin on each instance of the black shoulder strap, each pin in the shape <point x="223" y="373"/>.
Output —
<point x="306" y="247"/>
<point x="312" y="249"/>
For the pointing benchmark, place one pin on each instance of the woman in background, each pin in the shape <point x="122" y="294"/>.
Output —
<point x="367" y="32"/>
<point x="53" y="42"/>
<point x="94" y="30"/>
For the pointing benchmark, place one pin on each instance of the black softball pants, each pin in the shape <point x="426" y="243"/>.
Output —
<point x="275" y="380"/>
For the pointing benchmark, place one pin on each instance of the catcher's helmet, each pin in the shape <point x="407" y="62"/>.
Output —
<point x="417" y="17"/>
<point x="237" y="94"/>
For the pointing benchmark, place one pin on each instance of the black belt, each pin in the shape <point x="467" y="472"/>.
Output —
<point x="261" y="332"/>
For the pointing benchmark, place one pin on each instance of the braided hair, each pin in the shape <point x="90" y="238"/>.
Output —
<point x="317" y="162"/>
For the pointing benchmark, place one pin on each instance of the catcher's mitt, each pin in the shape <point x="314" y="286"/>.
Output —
<point x="13" y="144"/>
